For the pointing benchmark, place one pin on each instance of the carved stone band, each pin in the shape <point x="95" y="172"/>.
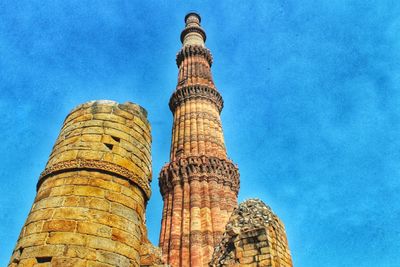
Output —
<point x="193" y="50"/>
<point x="195" y="91"/>
<point x="199" y="168"/>
<point x="193" y="29"/>
<point x="85" y="164"/>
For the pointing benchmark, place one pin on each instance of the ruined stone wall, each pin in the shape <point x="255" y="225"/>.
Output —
<point x="254" y="236"/>
<point x="90" y="205"/>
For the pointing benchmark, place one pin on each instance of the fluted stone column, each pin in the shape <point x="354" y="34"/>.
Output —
<point x="91" y="197"/>
<point x="200" y="184"/>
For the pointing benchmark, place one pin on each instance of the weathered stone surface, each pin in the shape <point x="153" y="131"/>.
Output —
<point x="254" y="236"/>
<point x="91" y="197"/>
<point x="150" y="255"/>
<point x="200" y="184"/>
<point x="89" y="209"/>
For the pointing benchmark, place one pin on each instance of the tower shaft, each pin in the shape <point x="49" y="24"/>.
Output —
<point x="199" y="185"/>
<point x="91" y="198"/>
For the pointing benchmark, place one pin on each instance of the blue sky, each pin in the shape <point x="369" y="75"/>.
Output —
<point x="311" y="116"/>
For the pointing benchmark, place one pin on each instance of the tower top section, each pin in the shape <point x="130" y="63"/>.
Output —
<point x="192" y="14"/>
<point x="193" y="34"/>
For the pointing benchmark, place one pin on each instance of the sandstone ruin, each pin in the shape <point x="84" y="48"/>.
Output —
<point x="91" y="197"/>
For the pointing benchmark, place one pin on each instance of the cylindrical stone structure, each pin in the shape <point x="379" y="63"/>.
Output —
<point x="90" y="204"/>
<point x="200" y="184"/>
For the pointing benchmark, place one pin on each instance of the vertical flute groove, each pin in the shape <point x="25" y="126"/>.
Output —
<point x="199" y="175"/>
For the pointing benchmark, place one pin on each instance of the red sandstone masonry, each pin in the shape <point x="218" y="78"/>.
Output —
<point x="199" y="185"/>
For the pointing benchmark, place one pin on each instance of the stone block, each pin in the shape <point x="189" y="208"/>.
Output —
<point x="67" y="262"/>
<point x="25" y="263"/>
<point x="62" y="190"/>
<point x="34" y="227"/>
<point x="33" y="240"/>
<point x="249" y="253"/>
<point x="98" y="264"/>
<point x="72" y="213"/>
<point x="124" y="237"/>
<point x="94" y="229"/>
<point x="88" y="191"/>
<point x="43" y="251"/>
<point x="113" y="259"/>
<point x="66" y="238"/>
<point x="49" y="202"/>
<point x="82" y="252"/>
<point x="246" y="260"/>
<point x="128" y="251"/>
<point x="97" y="242"/>
<point x="71" y="201"/>
<point x="105" y="184"/>
<point x="59" y="226"/>
<point x="99" y="203"/>
<point x="120" y="198"/>
<point x="38" y="215"/>
<point x="123" y="211"/>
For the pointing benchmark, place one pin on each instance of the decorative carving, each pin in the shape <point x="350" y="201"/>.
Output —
<point x="199" y="168"/>
<point x="196" y="29"/>
<point x="96" y="165"/>
<point x="194" y="69"/>
<point x="193" y="50"/>
<point x="196" y="91"/>
<point x="200" y="115"/>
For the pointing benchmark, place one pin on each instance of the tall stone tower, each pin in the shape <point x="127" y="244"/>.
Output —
<point x="200" y="184"/>
<point x="91" y="197"/>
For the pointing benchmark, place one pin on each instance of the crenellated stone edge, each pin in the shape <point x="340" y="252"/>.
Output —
<point x="200" y="168"/>
<point x="129" y="107"/>
<point x="85" y="164"/>
<point x="193" y="50"/>
<point x="196" y="91"/>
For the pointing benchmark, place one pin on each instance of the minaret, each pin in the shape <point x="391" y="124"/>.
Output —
<point x="200" y="184"/>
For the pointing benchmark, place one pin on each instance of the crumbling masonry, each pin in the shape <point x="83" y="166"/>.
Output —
<point x="91" y="197"/>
